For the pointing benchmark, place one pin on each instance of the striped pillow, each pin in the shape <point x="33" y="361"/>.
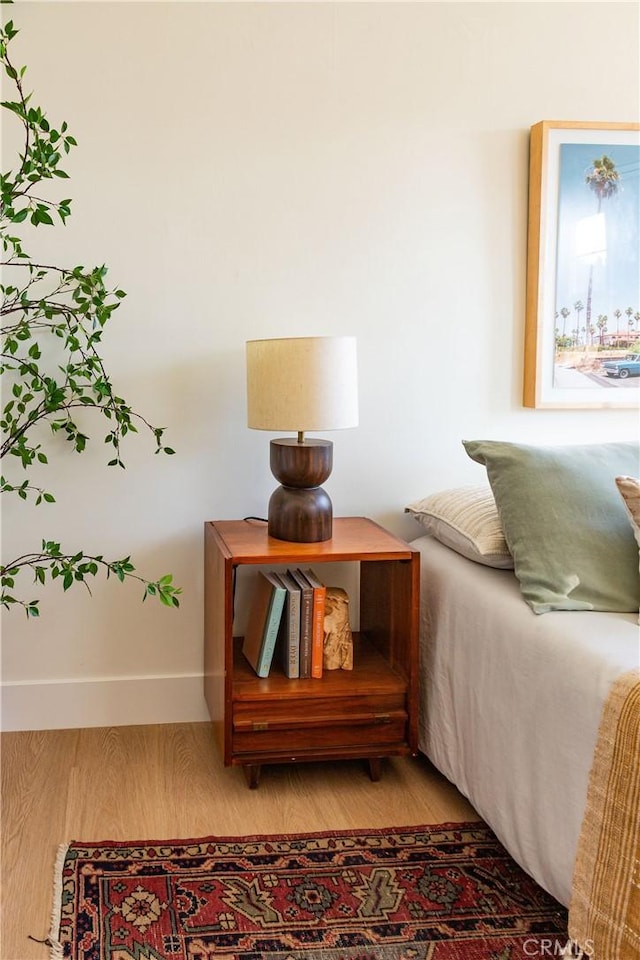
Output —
<point x="629" y="488"/>
<point x="466" y="520"/>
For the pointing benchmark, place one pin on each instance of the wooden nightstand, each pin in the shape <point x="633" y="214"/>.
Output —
<point x="370" y="711"/>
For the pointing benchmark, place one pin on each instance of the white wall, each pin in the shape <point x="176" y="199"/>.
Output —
<point x="257" y="170"/>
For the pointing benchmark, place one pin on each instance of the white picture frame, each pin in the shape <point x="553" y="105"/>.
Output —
<point x="583" y="248"/>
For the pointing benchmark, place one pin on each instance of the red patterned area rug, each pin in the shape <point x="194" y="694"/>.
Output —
<point x="446" y="892"/>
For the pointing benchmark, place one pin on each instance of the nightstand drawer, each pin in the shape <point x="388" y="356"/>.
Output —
<point x="280" y="736"/>
<point x="307" y="711"/>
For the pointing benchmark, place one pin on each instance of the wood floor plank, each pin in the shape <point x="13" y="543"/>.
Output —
<point x="167" y="782"/>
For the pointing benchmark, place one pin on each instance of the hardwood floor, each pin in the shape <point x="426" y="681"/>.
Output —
<point x="167" y="782"/>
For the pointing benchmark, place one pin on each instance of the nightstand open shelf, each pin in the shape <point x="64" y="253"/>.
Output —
<point x="368" y="712"/>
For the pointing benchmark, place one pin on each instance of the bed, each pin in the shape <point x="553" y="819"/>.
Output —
<point x="511" y="701"/>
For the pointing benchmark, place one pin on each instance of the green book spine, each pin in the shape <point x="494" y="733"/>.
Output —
<point x="272" y="626"/>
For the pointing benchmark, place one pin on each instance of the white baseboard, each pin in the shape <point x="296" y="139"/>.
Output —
<point x="102" y="702"/>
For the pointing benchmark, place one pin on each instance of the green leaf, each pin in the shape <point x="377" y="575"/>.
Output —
<point x="169" y="600"/>
<point x="41" y="215"/>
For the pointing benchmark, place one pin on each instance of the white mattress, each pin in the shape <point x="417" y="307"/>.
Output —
<point x="511" y="703"/>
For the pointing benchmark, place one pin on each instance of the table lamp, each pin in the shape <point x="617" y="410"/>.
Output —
<point x="300" y="384"/>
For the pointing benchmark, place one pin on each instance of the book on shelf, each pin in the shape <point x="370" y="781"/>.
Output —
<point x="289" y="636"/>
<point x="263" y="622"/>
<point x="317" y="623"/>
<point x="306" y="621"/>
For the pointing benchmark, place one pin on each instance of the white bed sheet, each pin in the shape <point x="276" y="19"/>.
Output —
<point x="510" y="704"/>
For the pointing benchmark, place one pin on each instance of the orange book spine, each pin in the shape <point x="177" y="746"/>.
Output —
<point x="317" y="624"/>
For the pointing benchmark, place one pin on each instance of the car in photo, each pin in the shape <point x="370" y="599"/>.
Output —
<point x="628" y="366"/>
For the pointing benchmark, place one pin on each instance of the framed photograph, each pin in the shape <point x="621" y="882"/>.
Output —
<point x="582" y="331"/>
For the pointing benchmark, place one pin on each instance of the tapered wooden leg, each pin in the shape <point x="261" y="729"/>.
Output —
<point x="252" y="773"/>
<point x="374" y="768"/>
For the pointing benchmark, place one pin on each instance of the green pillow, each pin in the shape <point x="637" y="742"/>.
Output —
<point x="565" y="523"/>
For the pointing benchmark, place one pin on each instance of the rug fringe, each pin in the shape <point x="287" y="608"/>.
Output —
<point x="55" y="947"/>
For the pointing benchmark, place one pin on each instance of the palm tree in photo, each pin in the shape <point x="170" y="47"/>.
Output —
<point x="579" y="307"/>
<point x="629" y="313"/>
<point x="603" y="179"/>
<point x="564" y="313"/>
<point x="601" y="324"/>
<point x="617" y="314"/>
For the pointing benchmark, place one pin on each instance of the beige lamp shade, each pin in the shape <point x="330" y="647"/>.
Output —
<point x="302" y="383"/>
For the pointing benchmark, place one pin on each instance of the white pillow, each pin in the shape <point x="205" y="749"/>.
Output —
<point x="466" y="520"/>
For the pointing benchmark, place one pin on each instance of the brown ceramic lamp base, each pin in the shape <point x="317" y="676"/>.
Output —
<point x="300" y="510"/>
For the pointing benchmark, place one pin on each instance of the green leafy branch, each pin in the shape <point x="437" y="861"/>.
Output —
<point x="72" y="569"/>
<point x="73" y="313"/>
<point x="52" y="324"/>
<point x="40" y="157"/>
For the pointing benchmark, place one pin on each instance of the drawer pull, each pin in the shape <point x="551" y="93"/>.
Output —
<point x="260" y="725"/>
<point x="382" y="718"/>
